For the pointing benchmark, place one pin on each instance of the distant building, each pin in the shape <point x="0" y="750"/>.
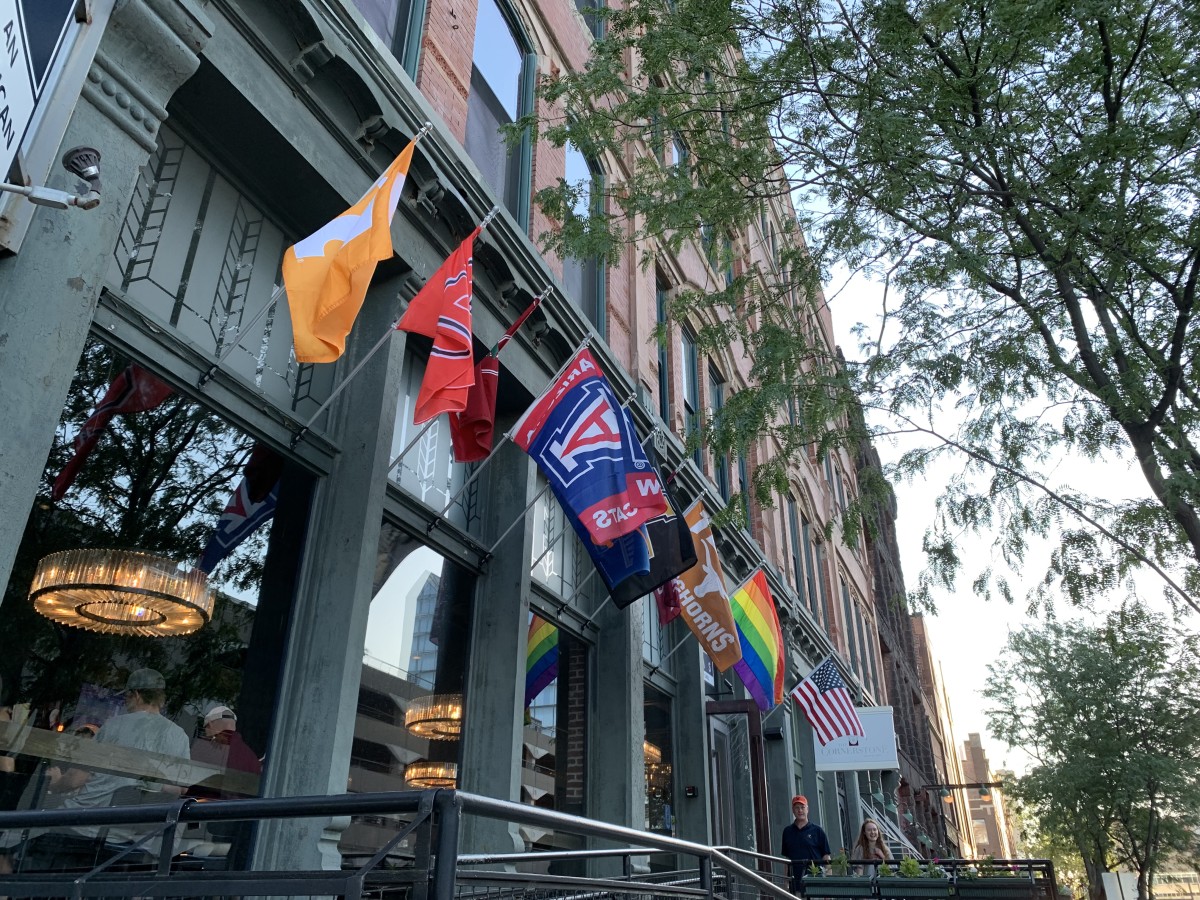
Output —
<point x="991" y="827"/>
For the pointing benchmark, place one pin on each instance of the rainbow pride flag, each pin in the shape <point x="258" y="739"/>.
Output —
<point x="761" y="666"/>
<point x="541" y="658"/>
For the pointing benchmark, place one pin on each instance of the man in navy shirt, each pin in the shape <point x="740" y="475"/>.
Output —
<point x="804" y="842"/>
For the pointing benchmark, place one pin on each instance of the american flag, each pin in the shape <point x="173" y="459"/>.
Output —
<point x="827" y="704"/>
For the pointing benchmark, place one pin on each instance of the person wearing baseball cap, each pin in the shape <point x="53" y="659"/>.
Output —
<point x="143" y="727"/>
<point x="228" y="748"/>
<point x="804" y="842"/>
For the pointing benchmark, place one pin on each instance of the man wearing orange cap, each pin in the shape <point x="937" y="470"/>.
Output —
<point x="804" y="842"/>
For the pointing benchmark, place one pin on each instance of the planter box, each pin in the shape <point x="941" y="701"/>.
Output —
<point x="912" y="888"/>
<point x="1005" y="888"/>
<point x="837" y="886"/>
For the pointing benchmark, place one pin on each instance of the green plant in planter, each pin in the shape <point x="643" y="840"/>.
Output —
<point x="840" y="864"/>
<point x="814" y="869"/>
<point x="909" y="867"/>
<point x="886" y="870"/>
<point x="915" y="882"/>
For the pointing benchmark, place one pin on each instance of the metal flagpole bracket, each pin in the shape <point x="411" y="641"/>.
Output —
<point x="487" y="220"/>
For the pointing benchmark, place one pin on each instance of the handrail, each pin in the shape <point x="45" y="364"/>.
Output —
<point x="441" y="863"/>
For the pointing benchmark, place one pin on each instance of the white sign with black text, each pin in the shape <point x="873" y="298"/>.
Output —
<point x="16" y="84"/>
<point x="876" y="750"/>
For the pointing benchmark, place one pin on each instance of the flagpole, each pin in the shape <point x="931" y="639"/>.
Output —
<point x="466" y="484"/>
<point x="342" y="385"/>
<point x="212" y="370"/>
<point x="658" y="666"/>
<point x="590" y="620"/>
<point x="518" y="521"/>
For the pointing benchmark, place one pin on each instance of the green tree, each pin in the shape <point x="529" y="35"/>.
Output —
<point x="1021" y="176"/>
<point x="1110" y="712"/>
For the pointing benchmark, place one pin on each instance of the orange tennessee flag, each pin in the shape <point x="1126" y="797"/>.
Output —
<point x="327" y="273"/>
<point x="442" y="310"/>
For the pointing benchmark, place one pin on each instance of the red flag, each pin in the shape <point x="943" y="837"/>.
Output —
<point x="134" y="390"/>
<point x="442" y="311"/>
<point x="472" y="430"/>
<point x="669" y="604"/>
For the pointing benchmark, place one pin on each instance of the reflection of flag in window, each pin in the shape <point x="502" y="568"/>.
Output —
<point x="251" y="504"/>
<point x="541" y="658"/>
<point x="134" y="390"/>
<point x="761" y="666"/>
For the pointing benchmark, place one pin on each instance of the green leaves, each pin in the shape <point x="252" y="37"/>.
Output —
<point x="1109" y="711"/>
<point x="1022" y="174"/>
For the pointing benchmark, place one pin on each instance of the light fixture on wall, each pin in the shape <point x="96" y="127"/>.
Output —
<point x="121" y="592"/>
<point x="428" y="773"/>
<point x="437" y="717"/>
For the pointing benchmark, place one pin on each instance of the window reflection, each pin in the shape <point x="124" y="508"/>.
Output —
<point x="410" y="697"/>
<point x="583" y="279"/>
<point x="93" y="719"/>
<point x="495" y="100"/>
<point x="659" y="763"/>
<point x="554" y="752"/>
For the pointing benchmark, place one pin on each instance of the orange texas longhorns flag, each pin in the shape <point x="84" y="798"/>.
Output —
<point x="703" y="599"/>
<point x="327" y="273"/>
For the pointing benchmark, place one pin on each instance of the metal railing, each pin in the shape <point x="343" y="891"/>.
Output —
<point x="435" y="870"/>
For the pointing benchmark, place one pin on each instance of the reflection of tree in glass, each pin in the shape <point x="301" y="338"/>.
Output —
<point x="157" y="481"/>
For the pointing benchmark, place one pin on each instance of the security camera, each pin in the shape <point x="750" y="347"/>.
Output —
<point x="84" y="162"/>
<point x="81" y="161"/>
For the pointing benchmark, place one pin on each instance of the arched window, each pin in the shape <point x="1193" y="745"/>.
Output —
<point x="502" y="68"/>
<point x="584" y="278"/>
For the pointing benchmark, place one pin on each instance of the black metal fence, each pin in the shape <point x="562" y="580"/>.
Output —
<point x="67" y="854"/>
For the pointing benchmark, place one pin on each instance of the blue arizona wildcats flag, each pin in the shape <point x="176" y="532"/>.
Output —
<point x="587" y="448"/>
<point x="252" y="504"/>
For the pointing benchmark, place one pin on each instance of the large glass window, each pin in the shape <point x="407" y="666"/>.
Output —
<point x="812" y="561"/>
<point x="410" y="697"/>
<point x="659" y="759"/>
<point x="124" y="695"/>
<point x="716" y="393"/>
<point x="588" y="9"/>
<point x="498" y="96"/>
<point x="584" y="279"/>
<point x="848" y="622"/>
<point x="796" y="544"/>
<point x="664" y="364"/>
<point x="554" y="755"/>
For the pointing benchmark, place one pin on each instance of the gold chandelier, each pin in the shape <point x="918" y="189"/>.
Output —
<point x="121" y="592"/>
<point x="430" y="774"/>
<point x="437" y="717"/>
<point x="652" y="753"/>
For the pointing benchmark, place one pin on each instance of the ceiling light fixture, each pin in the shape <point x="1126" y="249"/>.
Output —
<point x="121" y="592"/>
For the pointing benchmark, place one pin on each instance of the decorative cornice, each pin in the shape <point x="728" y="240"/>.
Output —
<point x="149" y="49"/>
